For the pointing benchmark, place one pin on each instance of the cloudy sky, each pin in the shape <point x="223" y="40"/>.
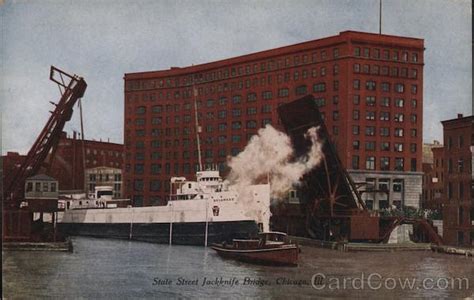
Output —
<point x="102" y="40"/>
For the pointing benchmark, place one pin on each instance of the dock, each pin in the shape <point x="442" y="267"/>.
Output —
<point x="64" y="246"/>
<point x="353" y="247"/>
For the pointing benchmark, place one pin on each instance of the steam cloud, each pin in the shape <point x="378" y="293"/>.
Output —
<point x="268" y="154"/>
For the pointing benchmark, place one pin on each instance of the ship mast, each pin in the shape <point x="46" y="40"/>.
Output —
<point x="198" y="128"/>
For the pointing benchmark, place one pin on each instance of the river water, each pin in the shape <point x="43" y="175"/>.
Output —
<point x="104" y="268"/>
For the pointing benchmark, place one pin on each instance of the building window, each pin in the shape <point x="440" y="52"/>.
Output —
<point x="413" y="132"/>
<point x="236" y="99"/>
<point x="222" y="114"/>
<point x="413" y="148"/>
<point x="296" y="75"/>
<point x="355" y="162"/>
<point x="399" y="132"/>
<point x="356" y="68"/>
<point x="376" y="53"/>
<point x="384" y="131"/>
<point x="399" y="88"/>
<point x="370" y="85"/>
<point x="366" y="52"/>
<point x="461" y="191"/>
<point x="369" y="130"/>
<point x="301" y="90"/>
<point x="251" y="97"/>
<point x="356" y="99"/>
<point x="251" y="124"/>
<point x="267" y="108"/>
<point x="398" y="147"/>
<point x="385" y="102"/>
<point x="398" y="117"/>
<point x="267" y="95"/>
<point x="397" y="185"/>
<point x="319" y="87"/>
<point x="335" y="69"/>
<point x="375" y="70"/>
<point x="370" y="101"/>
<point x="355" y="130"/>
<point x="450" y="190"/>
<point x="384" y="163"/>
<point x="355" y="145"/>
<point x="251" y="111"/>
<point x="357" y="51"/>
<point x="399" y="163"/>
<point x="370" y="163"/>
<point x="155" y="169"/>
<point x="394" y="72"/>
<point x="140" y="122"/>
<point x="335" y="52"/>
<point x="320" y="102"/>
<point x="399" y="102"/>
<point x="385" y="87"/>
<point x="460" y="141"/>
<point x="284" y="92"/>
<point x="141" y="110"/>
<point x="370" y="146"/>
<point x="222" y="101"/>
<point x="414" y="89"/>
<point x="384" y="116"/>
<point x="157" y="108"/>
<point x="356" y="84"/>
<point x="385" y="146"/>
<point x="236" y="138"/>
<point x="335" y="115"/>
<point x="413" y="118"/>
<point x="236" y="125"/>
<point x="370" y="115"/>
<point x="414" y="57"/>
<point x="236" y="112"/>
<point x="366" y="69"/>
<point x="355" y="115"/>
<point x="336" y="85"/>
<point x="413" y="164"/>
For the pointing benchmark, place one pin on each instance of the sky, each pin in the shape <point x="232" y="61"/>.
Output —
<point x="101" y="40"/>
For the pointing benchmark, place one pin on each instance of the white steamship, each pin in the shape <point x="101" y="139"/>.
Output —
<point x="199" y="213"/>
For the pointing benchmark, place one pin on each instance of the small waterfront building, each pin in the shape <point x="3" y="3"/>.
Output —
<point x="41" y="193"/>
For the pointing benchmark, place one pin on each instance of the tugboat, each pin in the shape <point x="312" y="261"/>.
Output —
<point x="271" y="248"/>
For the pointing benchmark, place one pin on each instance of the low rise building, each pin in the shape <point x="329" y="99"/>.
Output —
<point x="457" y="197"/>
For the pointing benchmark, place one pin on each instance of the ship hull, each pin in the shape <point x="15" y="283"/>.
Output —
<point x="189" y="233"/>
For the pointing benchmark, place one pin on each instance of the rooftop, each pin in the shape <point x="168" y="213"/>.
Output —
<point x="354" y="36"/>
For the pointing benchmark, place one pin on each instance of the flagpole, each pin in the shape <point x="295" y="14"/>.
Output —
<point x="380" y="16"/>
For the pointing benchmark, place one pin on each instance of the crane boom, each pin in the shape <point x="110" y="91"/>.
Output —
<point x="71" y="87"/>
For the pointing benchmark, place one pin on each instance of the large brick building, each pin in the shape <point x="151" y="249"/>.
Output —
<point x="68" y="164"/>
<point x="368" y="86"/>
<point x="433" y="176"/>
<point x="457" y="197"/>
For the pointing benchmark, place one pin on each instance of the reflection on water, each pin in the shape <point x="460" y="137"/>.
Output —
<point x="122" y="269"/>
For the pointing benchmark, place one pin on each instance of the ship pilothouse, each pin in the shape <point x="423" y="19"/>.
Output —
<point x="208" y="186"/>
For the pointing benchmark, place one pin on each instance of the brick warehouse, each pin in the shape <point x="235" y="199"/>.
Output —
<point x="457" y="196"/>
<point x="67" y="166"/>
<point x="369" y="87"/>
